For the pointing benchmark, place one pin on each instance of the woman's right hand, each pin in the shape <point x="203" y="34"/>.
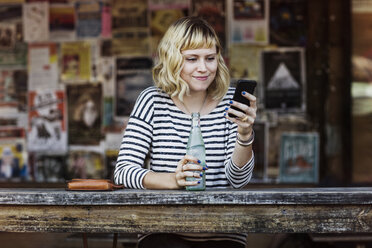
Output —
<point x="188" y="166"/>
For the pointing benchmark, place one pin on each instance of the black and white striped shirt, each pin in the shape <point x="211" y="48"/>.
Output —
<point x="158" y="128"/>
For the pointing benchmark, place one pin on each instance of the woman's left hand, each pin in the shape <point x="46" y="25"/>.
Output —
<point x="246" y="118"/>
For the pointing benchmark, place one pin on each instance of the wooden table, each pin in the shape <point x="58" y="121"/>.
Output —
<point x="280" y="210"/>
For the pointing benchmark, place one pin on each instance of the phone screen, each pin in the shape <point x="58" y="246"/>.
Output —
<point x="243" y="85"/>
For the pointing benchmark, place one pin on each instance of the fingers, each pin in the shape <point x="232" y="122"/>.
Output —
<point x="189" y="167"/>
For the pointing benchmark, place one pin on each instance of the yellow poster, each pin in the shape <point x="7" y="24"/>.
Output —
<point x="76" y="61"/>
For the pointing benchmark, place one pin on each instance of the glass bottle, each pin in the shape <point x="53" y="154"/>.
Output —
<point x="196" y="148"/>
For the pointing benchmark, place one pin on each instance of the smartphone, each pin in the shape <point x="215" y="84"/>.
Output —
<point x="243" y="85"/>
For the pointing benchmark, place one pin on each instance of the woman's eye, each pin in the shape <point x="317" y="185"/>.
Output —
<point x="211" y="58"/>
<point x="191" y="59"/>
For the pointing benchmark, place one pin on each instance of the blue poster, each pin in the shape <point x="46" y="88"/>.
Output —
<point x="299" y="157"/>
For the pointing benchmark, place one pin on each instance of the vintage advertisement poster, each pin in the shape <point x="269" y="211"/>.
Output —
<point x="14" y="58"/>
<point x="36" y="21"/>
<point x="163" y="13"/>
<point x="260" y="150"/>
<point x="49" y="168"/>
<point x="283" y="77"/>
<point x="84" y="114"/>
<point x="85" y="164"/>
<point x="7" y="36"/>
<point x="88" y="19"/>
<point x="288" y="22"/>
<point x="13" y="89"/>
<point x="249" y="21"/>
<point x="106" y="20"/>
<point x="130" y="28"/>
<point x="62" y="22"/>
<point x="47" y="131"/>
<point x="133" y="75"/>
<point x="11" y="16"/>
<point x="76" y="61"/>
<point x="245" y="60"/>
<point x="42" y="66"/>
<point x="299" y="157"/>
<point x="214" y="12"/>
<point x="106" y="75"/>
<point x="13" y="154"/>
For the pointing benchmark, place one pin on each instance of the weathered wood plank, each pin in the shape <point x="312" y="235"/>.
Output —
<point x="282" y="196"/>
<point x="188" y="218"/>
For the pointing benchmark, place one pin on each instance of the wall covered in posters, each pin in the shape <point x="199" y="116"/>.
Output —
<point x="70" y="72"/>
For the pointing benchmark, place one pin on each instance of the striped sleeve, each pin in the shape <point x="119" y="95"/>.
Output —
<point x="135" y="144"/>
<point x="237" y="177"/>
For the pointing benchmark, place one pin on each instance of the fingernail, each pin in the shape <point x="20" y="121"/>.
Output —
<point x="204" y="168"/>
<point x="224" y="114"/>
<point x="198" y="182"/>
<point x="231" y="102"/>
<point x="199" y="161"/>
<point x="201" y="174"/>
<point x="226" y="109"/>
<point x="243" y="92"/>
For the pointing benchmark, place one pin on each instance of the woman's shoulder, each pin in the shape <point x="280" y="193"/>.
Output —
<point x="153" y="91"/>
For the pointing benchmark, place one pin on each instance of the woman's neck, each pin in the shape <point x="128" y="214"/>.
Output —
<point x="195" y="102"/>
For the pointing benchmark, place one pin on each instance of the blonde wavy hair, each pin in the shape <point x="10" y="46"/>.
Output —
<point x="184" y="34"/>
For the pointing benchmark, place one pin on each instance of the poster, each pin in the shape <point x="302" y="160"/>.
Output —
<point x="84" y="114"/>
<point x="106" y="72"/>
<point x="249" y="21"/>
<point x="106" y="20"/>
<point x="50" y="168"/>
<point x="7" y="36"/>
<point x="85" y="164"/>
<point x="88" y="19"/>
<point x="13" y="155"/>
<point x="11" y="16"/>
<point x="130" y="28"/>
<point x="13" y="89"/>
<point x="163" y="13"/>
<point x="62" y="22"/>
<point x="14" y="58"/>
<point x="36" y="21"/>
<point x="214" y="12"/>
<point x="299" y="157"/>
<point x="43" y="66"/>
<point x="76" y="61"/>
<point x="133" y="75"/>
<point x="288" y="22"/>
<point x="283" y="78"/>
<point x="47" y="122"/>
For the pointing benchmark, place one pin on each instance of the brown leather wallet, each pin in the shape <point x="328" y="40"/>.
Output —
<point x="92" y="184"/>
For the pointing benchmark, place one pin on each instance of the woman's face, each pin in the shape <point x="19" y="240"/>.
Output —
<point x="200" y="67"/>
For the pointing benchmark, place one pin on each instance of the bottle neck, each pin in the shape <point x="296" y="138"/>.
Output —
<point x="195" y="120"/>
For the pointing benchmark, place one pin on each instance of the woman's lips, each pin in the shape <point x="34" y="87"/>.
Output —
<point x="202" y="78"/>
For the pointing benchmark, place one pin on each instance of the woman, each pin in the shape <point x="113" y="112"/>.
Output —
<point x="190" y="76"/>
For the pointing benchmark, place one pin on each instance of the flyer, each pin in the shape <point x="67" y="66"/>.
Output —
<point x="47" y="130"/>
<point x="42" y="66"/>
<point x="36" y="21"/>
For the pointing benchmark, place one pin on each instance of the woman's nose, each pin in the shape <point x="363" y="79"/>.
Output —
<point x="202" y="66"/>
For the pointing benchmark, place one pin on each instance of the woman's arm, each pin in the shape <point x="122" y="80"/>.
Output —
<point x="186" y="167"/>
<point x="240" y="167"/>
